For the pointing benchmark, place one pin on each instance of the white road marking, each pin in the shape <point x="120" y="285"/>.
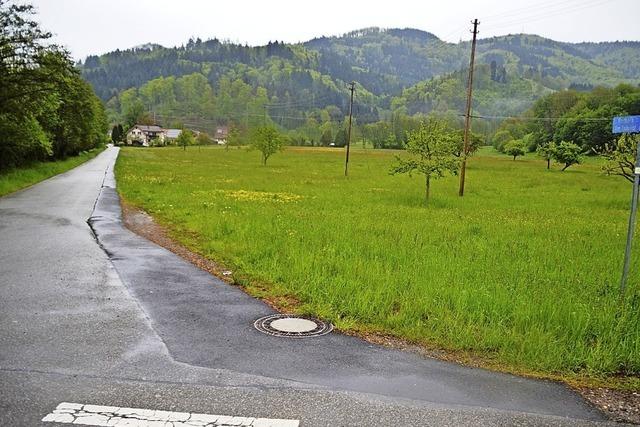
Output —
<point x="112" y="416"/>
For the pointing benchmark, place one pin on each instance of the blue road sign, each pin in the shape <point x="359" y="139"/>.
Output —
<point x="626" y="124"/>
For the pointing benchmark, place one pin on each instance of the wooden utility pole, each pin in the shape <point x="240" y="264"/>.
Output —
<point x="352" y="88"/>
<point x="467" y="116"/>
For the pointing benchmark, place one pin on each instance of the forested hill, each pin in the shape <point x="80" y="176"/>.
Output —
<point x="621" y="56"/>
<point x="386" y="61"/>
<point x="389" y="65"/>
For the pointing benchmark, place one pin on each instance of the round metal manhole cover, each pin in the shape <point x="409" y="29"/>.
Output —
<point x="286" y="325"/>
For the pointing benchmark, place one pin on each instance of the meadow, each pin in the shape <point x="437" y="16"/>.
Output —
<point x="522" y="272"/>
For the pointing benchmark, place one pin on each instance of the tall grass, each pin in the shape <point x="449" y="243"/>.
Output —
<point x="523" y="270"/>
<point x="18" y="178"/>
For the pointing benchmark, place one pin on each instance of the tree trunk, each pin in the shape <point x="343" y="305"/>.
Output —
<point x="514" y="158"/>
<point x="566" y="165"/>
<point x="548" y="163"/>
<point x="264" y="160"/>
<point x="427" y="188"/>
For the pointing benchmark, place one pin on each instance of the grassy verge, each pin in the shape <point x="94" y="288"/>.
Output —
<point x="18" y="178"/>
<point x="522" y="273"/>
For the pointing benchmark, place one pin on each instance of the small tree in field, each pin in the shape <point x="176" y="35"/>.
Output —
<point x="621" y="157"/>
<point x="433" y="151"/>
<point x="204" y="139"/>
<point x="568" y="154"/>
<point x="515" y="148"/>
<point x="185" y="138"/>
<point x="547" y="151"/>
<point x="268" y="141"/>
<point x="475" y="142"/>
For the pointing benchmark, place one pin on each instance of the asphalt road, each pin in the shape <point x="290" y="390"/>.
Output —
<point x="99" y="315"/>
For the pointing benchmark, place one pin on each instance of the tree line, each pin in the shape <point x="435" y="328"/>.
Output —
<point x="582" y="118"/>
<point x="190" y="101"/>
<point x="47" y="111"/>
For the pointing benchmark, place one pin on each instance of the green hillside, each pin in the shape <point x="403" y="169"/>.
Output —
<point x="494" y="93"/>
<point x="404" y="70"/>
<point x="621" y="56"/>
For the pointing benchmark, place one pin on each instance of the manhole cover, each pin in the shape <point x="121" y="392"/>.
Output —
<point x="286" y="325"/>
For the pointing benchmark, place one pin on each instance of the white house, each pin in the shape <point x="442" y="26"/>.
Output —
<point x="144" y="134"/>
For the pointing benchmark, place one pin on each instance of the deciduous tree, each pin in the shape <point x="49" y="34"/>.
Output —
<point x="432" y="153"/>
<point x="46" y="109"/>
<point x="475" y="142"/>
<point x="268" y="141"/>
<point x="203" y="139"/>
<point x="326" y="138"/>
<point x="500" y="139"/>
<point x="547" y="151"/>
<point x="185" y="138"/>
<point x="621" y="156"/>
<point x="341" y="138"/>
<point x="568" y="154"/>
<point x="515" y="148"/>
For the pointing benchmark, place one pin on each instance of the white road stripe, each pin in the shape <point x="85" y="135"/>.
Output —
<point x="112" y="416"/>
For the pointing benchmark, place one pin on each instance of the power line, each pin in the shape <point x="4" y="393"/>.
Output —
<point x="297" y="103"/>
<point x="527" y="10"/>
<point x="528" y="13"/>
<point x="235" y="115"/>
<point x="548" y="14"/>
<point x="451" y="33"/>
<point x="203" y="121"/>
<point x="585" y="119"/>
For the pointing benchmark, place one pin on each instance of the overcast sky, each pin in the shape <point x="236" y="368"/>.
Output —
<point x="98" y="26"/>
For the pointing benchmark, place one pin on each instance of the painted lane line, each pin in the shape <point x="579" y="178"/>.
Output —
<point x="113" y="416"/>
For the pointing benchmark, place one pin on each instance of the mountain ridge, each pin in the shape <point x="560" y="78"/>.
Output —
<point x="386" y="63"/>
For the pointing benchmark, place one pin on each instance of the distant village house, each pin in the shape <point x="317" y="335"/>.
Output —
<point x="221" y="135"/>
<point x="144" y="134"/>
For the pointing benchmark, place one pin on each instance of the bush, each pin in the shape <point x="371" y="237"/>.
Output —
<point x="500" y="139"/>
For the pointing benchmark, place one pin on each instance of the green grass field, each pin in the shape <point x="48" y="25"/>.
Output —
<point x="522" y="272"/>
<point x="18" y="178"/>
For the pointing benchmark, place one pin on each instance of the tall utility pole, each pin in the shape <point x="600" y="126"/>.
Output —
<point x="467" y="116"/>
<point x="352" y="88"/>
